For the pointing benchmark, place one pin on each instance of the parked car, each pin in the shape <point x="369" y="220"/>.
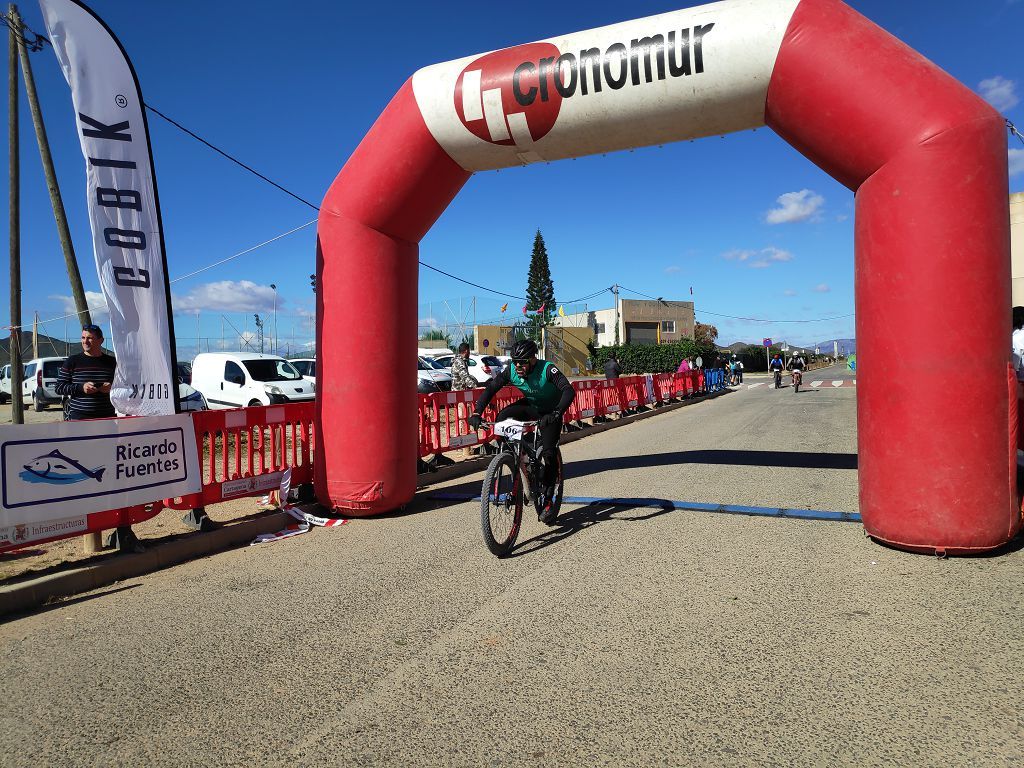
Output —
<point x="306" y="366"/>
<point x="184" y="372"/>
<point x="237" y="380"/>
<point x="191" y="399"/>
<point x="39" y="382"/>
<point x="481" y="367"/>
<point x="430" y="379"/>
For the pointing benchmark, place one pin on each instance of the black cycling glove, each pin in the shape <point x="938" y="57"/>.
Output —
<point x="549" y="419"/>
<point x="475" y="420"/>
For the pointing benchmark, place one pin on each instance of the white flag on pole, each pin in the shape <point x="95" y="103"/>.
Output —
<point x="123" y="206"/>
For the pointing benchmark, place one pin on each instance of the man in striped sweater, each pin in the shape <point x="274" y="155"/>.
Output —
<point x="86" y="378"/>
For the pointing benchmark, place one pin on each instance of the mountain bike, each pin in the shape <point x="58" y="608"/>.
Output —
<point x="778" y="379"/>
<point x="513" y="479"/>
<point x="798" y="378"/>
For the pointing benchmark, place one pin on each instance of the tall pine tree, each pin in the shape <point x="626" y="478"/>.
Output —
<point x="540" y="290"/>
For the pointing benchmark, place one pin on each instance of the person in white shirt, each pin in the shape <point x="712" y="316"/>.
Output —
<point x="1017" y="342"/>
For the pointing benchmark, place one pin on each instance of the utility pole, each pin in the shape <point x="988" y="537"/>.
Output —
<point x="615" y="293"/>
<point x="14" y="184"/>
<point x="35" y="335"/>
<point x="81" y="305"/>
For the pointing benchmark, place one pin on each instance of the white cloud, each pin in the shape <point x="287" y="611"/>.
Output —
<point x="228" y="296"/>
<point x="1016" y="159"/>
<point x="789" y="292"/>
<point x="672" y="270"/>
<point x="761" y="259"/>
<point x="738" y="255"/>
<point x="795" y="206"/>
<point x="427" y="322"/>
<point x="97" y="305"/>
<point x="821" y="288"/>
<point x="999" y="92"/>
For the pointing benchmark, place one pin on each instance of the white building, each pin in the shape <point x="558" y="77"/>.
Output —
<point x="640" y="322"/>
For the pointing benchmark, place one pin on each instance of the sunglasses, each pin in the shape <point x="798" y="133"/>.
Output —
<point x="521" y="362"/>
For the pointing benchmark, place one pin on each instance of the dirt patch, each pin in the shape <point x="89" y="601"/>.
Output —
<point x="60" y="555"/>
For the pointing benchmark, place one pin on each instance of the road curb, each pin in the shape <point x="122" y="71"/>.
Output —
<point x="27" y="595"/>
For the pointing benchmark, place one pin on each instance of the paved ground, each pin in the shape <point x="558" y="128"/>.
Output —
<point x="624" y="637"/>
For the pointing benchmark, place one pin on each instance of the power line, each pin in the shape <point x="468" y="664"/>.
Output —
<point x="735" y="317"/>
<point x="235" y="160"/>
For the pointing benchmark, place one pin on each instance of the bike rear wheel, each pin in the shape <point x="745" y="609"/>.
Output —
<point x="501" y="504"/>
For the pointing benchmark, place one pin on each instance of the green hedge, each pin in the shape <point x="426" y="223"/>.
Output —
<point x="663" y="358"/>
<point x="651" y="358"/>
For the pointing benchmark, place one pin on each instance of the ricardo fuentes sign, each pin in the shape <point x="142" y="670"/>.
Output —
<point x="65" y="471"/>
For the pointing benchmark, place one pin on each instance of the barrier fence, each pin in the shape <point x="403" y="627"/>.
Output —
<point x="444" y="416"/>
<point x="245" y="452"/>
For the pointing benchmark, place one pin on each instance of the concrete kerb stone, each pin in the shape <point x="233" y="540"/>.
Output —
<point x="30" y="594"/>
<point x="27" y="595"/>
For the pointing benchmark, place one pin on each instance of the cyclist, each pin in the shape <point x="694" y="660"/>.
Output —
<point x="776" y="366"/>
<point x="796" y="366"/>
<point x="547" y="394"/>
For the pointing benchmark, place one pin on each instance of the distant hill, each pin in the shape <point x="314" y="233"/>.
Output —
<point x="846" y="346"/>
<point x="48" y="347"/>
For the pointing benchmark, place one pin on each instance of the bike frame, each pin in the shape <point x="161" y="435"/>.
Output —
<point x="521" y="449"/>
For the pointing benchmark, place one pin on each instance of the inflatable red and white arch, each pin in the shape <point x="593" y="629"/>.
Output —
<point x="925" y="156"/>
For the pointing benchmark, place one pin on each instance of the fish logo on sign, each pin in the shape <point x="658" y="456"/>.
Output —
<point x="56" y="468"/>
<point x="491" y="97"/>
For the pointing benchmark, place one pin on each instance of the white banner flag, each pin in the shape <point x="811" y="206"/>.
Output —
<point x="123" y="206"/>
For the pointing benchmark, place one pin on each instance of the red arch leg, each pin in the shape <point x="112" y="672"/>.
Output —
<point x="927" y="159"/>
<point x="392" y="189"/>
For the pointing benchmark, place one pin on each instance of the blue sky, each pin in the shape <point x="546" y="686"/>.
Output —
<point x="752" y="226"/>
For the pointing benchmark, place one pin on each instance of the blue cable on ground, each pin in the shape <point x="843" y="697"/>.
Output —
<point x="695" y="506"/>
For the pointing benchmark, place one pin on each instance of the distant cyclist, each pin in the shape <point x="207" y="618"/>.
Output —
<point x="776" y="366"/>
<point x="547" y="395"/>
<point x="796" y="367"/>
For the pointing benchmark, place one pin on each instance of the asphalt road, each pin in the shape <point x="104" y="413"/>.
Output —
<point x="625" y="637"/>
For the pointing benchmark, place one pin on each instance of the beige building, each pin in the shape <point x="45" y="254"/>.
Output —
<point x="1017" y="249"/>
<point x="640" y="322"/>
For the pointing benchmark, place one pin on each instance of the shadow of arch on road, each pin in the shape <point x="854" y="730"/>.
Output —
<point x="795" y="459"/>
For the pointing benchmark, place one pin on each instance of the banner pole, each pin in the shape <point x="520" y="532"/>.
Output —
<point x="60" y="217"/>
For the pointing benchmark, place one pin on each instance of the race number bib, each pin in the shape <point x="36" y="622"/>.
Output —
<point x="510" y="429"/>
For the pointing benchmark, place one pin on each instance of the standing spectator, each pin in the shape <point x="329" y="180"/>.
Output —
<point x="462" y="380"/>
<point x="1017" y="342"/>
<point x="460" y="369"/>
<point x="684" y="366"/>
<point x="739" y="371"/>
<point x="612" y="369"/>
<point x="85" y="380"/>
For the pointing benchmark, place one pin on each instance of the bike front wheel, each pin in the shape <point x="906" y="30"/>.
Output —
<point x="501" y="504"/>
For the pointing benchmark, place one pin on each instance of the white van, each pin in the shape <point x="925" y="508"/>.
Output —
<point x="38" y="382"/>
<point x="237" y="380"/>
<point x="5" y="384"/>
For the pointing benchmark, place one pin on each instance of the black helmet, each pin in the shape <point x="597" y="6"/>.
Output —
<point x="523" y="349"/>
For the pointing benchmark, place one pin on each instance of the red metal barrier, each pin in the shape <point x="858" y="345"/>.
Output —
<point x="244" y="451"/>
<point x="444" y="421"/>
<point x="586" y="403"/>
